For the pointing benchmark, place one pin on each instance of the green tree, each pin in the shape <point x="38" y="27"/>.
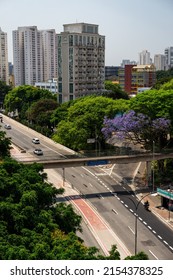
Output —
<point x="163" y="77"/>
<point x="155" y="103"/>
<point x="22" y="97"/>
<point x="84" y="120"/>
<point x="40" y="112"/>
<point x="5" y="145"/>
<point x="114" y="91"/>
<point x="32" y="225"/>
<point x="139" y="256"/>
<point x="4" y="89"/>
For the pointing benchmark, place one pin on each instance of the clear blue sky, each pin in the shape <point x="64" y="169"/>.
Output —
<point x="129" y="26"/>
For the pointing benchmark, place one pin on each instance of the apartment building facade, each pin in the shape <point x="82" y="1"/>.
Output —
<point x="49" y="43"/>
<point x="143" y="76"/>
<point x="160" y="62"/>
<point x="34" y="55"/>
<point x="144" y="58"/>
<point x="132" y="78"/>
<point x="169" y="57"/>
<point x="81" y="61"/>
<point x="4" y="73"/>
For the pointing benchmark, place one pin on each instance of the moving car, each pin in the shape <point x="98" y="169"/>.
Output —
<point x="7" y="126"/>
<point x="38" y="152"/>
<point x="35" y="141"/>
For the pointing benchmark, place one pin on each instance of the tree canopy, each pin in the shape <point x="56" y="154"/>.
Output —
<point x="162" y="77"/>
<point x="155" y="103"/>
<point x="84" y="120"/>
<point x="4" y="89"/>
<point x="32" y="225"/>
<point x="40" y="111"/>
<point x="5" y="145"/>
<point x="138" y="129"/>
<point x="114" y="91"/>
<point x="22" y="97"/>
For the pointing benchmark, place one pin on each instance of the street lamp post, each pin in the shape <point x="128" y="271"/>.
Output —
<point x="97" y="141"/>
<point x="136" y="205"/>
<point x="153" y="165"/>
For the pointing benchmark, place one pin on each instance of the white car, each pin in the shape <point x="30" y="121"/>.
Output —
<point x="7" y="126"/>
<point x="38" y="152"/>
<point x="35" y="141"/>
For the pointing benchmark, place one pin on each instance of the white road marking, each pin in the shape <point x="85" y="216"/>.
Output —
<point x="113" y="210"/>
<point x="131" y="230"/>
<point x="153" y="254"/>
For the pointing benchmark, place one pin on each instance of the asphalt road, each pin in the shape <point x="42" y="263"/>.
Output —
<point x="107" y="189"/>
<point x="110" y="196"/>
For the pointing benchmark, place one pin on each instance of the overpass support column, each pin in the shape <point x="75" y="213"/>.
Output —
<point x="148" y="173"/>
<point x="63" y="176"/>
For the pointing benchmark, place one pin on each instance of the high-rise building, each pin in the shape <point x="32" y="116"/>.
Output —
<point x="169" y="57"/>
<point x="34" y="55"/>
<point x="81" y="61"/>
<point x="27" y="55"/>
<point x="159" y="62"/>
<point x="4" y="76"/>
<point x="49" y="54"/>
<point x="144" y="58"/>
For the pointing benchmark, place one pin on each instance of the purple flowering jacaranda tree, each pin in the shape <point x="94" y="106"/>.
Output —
<point x="138" y="129"/>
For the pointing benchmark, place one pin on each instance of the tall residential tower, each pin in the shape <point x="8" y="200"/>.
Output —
<point x="81" y="61"/>
<point x="3" y="57"/>
<point x="34" y="55"/>
<point x="144" y="58"/>
<point x="169" y="57"/>
<point x="160" y="62"/>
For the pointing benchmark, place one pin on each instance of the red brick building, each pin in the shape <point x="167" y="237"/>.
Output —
<point x="134" y="77"/>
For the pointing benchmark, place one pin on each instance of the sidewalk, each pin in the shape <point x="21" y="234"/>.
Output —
<point x="154" y="200"/>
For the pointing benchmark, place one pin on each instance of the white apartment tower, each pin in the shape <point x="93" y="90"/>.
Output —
<point x="4" y="76"/>
<point x="81" y="61"/>
<point x="49" y="54"/>
<point x="144" y="58"/>
<point x="27" y="55"/>
<point x="169" y="57"/>
<point x="159" y="62"/>
<point x="34" y="55"/>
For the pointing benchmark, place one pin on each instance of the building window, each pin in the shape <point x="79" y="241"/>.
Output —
<point x="71" y="87"/>
<point x="71" y="64"/>
<point x="75" y="40"/>
<point x="59" y="87"/>
<point x="71" y="97"/>
<point x="59" y="41"/>
<point x="60" y="98"/>
<point x="71" y="40"/>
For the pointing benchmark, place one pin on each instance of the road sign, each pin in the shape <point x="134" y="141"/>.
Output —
<point x="97" y="162"/>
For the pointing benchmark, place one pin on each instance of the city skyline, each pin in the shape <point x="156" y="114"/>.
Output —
<point x="129" y="26"/>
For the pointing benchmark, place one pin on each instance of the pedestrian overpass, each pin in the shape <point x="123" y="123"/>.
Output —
<point x="94" y="161"/>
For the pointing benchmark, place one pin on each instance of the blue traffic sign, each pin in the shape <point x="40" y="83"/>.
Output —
<point x="97" y="162"/>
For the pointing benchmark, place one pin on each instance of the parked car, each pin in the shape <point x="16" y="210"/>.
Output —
<point x="38" y="152"/>
<point x="7" y="126"/>
<point x="35" y="141"/>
